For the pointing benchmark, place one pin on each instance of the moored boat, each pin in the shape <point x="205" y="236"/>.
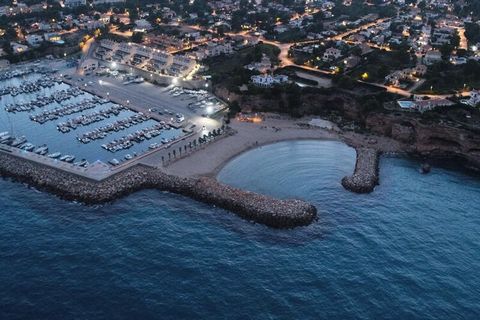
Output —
<point x="54" y="155"/>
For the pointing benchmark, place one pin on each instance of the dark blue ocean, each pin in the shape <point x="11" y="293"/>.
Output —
<point x="410" y="250"/>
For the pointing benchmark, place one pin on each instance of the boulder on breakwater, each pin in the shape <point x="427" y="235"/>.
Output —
<point x="365" y="176"/>
<point x="272" y="212"/>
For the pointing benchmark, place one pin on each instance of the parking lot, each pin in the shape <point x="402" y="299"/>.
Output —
<point x="183" y="106"/>
<point x="197" y="112"/>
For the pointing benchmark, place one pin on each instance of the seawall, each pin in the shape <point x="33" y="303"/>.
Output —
<point x="248" y="205"/>
<point x="365" y="176"/>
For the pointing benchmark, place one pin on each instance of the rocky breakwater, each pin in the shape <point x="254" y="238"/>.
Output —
<point x="263" y="209"/>
<point x="365" y="176"/>
<point x="248" y="205"/>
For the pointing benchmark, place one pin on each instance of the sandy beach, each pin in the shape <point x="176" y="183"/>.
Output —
<point x="210" y="160"/>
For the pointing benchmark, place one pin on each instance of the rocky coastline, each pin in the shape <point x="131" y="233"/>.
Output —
<point x="275" y="213"/>
<point x="433" y="136"/>
<point x="365" y="176"/>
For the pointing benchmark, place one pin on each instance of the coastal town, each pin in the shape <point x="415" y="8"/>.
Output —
<point x="240" y="159"/>
<point x="100" y="88"/>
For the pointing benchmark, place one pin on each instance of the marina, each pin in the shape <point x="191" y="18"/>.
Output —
<point x="42" y="115"/>
<point x="28" y="87"/>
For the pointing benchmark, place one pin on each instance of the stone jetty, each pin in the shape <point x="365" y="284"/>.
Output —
<point x="365" y="177"/>
<point x="258" y="208"/>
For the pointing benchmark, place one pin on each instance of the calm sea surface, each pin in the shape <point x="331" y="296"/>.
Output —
<point x="410" y="250"/>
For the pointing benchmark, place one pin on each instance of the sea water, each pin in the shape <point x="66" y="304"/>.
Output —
<point x="409" y="250"/>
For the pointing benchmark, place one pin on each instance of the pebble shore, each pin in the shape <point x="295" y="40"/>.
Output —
<point x="365" y="176"/>
<point x="248" y="205"/>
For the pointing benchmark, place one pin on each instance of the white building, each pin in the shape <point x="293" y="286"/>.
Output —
<point x="216" y="49"/>
<point x="142" y="25"/>
<point x="458" y="60"/>
<point x="432" y="57"/>
<point x="34" y="39"/>
<point x="145" y="58"/>
<point x="53" y="38"/>
<point x="332" y="54"/>
<point x="99" y="2"/>
<point x="263" y="66"/>
<point x="74" y="3"/>
<point x="424" y="105"/>
<point x="266" y="80"/>
<point x="18" y="47"/>
<point x="474" y="99"/>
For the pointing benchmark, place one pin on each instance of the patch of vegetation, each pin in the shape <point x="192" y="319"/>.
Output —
<point x="292" y="35"/>
<point x="472" y="33"/>
<point x="446" y="78"/>
<point x="229" y="70"/>
<point x="381" y="63"/>
<point x="358" y="9"/>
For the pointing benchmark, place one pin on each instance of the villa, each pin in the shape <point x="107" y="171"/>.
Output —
<point x="432" y="57"/>
<point x="423" y="105"/>
<point x="332" y="54"/>
<point x="473" y="100"/>
<point x="74" y="3"/>
<point x="267" y="80"/>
